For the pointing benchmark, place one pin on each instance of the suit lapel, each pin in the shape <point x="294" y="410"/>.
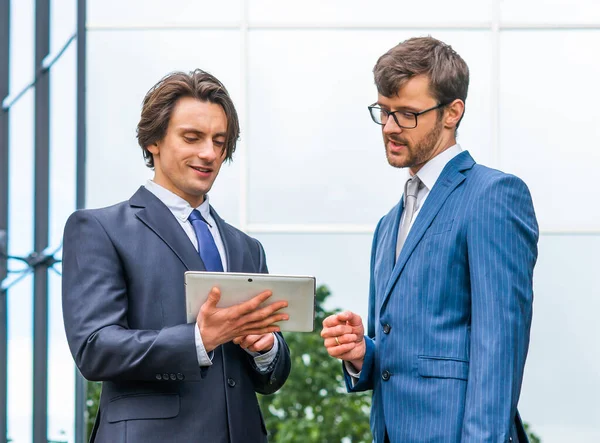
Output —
<point x="231" y="242"/>
<point x="156" y="216"/>
<point x="448" y="180"/>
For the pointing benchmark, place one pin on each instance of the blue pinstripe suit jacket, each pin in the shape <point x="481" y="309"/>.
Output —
<point x="449" y="321"/>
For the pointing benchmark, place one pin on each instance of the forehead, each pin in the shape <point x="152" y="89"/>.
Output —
<point x="415" y="92"/>
<point x="199" y="114"/>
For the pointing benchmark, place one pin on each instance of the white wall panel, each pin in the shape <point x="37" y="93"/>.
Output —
<point x="358" y="11"/>
<point x="316" y="156"/>
<point x="341" y="262"/>
<point x="550" y="11"/>
<point x="140" y="13"/>
<point x="549" y="122"/>
<point x="562" y="384"/>
<point x="122" y="67"/>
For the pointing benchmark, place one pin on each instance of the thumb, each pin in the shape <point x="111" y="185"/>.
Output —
<point x="213" y="297"/>
<point x="352" y="319"/>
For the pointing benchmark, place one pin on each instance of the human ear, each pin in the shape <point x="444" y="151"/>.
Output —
<point x="454" y="112"/>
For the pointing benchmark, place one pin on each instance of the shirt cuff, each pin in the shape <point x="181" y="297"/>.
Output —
<point x="204" y="358"/>
<point x="263" y="361"/>
<point x="352" y="372"/>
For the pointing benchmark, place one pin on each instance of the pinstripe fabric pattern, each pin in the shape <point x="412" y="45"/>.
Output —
<point x="459" y="303"/>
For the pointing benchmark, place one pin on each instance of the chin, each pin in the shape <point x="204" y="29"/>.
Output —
<point x="396" y="162"/>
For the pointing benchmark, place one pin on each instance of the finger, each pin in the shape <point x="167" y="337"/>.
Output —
<point x="352" y="318"/>
<point x="261" y="331"/>
<point x="249" y="340"/>
<point x="252" y="304"/>
<point x="239" y="339"/>
<point x="213" y="297"/>
<point x="263" y="323"/>
<point x="266" y="313"/>
<point x="264" y="343"/>
<point x="331" y="321"/>
<point x="341" y="350"/>
<point x="336" y="331"/>
<point x="341" y="340"/>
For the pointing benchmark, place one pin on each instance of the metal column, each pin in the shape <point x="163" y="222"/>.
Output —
<point x="4" y="89"/>
<point x="80" y="383"/>
<point x="41" y="216"/>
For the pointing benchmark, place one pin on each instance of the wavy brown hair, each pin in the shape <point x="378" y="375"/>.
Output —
<point x="160" y="101"/>
<point x="447" y="72"/>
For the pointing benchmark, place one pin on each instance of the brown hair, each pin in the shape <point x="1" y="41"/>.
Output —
<point x="447" y="72"/>
<point x="160" y="100"/>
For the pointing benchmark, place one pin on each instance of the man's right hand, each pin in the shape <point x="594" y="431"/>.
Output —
<point x="344" y="338"/>
<point x="221" y="325"/>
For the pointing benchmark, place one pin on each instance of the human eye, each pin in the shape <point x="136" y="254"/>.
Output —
<point x="190" y="138"/>
<point x="219" y="143"/>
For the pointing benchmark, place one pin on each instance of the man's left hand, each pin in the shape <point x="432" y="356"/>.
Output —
<point x="256" y="343"/>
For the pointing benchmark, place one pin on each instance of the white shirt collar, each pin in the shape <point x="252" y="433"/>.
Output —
<point x="432" y="170"/>
<point x="177" y="205"/>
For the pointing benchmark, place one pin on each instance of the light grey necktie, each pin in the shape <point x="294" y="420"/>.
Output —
<point x="411" y="188"/>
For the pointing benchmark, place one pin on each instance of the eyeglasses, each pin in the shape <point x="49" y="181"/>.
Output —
<point x="404" y="119"/>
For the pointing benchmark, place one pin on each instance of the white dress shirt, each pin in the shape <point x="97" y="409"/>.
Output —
<point x="428" y="174"/>
<point x="181" y="209"/>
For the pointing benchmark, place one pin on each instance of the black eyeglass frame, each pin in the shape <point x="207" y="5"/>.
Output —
<point x="416" y="114"/>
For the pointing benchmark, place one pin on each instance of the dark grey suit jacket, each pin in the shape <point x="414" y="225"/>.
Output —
<point x="125" y="319"/>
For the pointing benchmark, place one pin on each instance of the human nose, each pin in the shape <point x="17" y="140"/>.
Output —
<point x="207" y="151"/>
<point x="391" y="125"/>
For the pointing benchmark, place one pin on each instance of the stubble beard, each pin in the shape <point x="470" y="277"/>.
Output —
<point x="417" y="154"/>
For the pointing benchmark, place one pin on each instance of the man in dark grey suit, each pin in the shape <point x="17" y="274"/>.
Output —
<point x="123" y="288"/>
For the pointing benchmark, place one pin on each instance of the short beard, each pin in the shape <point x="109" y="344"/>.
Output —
<point x="421" y="152"/>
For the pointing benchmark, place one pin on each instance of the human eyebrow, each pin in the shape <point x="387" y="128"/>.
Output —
<point x="191" y="131"/>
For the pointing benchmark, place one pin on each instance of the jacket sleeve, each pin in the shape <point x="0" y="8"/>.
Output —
<point x="95" y="305"/>
<point x="502" y="249"/>
<point x="365" y="382"/>
<point x="272" y="380"/>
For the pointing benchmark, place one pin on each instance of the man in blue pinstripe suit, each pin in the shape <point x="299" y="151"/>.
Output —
<point x="450" y="301"/>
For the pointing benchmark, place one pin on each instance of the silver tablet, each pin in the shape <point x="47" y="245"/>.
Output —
<point x="298" y="291"/>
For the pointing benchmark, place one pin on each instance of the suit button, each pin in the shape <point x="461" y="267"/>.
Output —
<point x="385" y="375"/>
<point x="165" y="376"/>
<point x="173" y="377"/>
<point x="158" y="377"/>
<point x="386" y="328"/>
<point x="180" y="376"/>
<point x="231" y="382"/>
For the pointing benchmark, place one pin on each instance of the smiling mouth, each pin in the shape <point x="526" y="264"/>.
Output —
<point x="201" y="169"/>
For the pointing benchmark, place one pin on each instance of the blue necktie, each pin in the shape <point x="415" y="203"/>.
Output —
<point x="206" y="243"/>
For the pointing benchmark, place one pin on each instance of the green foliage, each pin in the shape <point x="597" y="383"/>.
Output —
<point x="93" y="390"/>
<point x="532" y="437"/>
<point x="313" y="405"/>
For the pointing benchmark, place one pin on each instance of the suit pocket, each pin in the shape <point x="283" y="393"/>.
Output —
<point x="142" y="407"/>
<point x="439" y="228"/>
<point x="442" y="367"/>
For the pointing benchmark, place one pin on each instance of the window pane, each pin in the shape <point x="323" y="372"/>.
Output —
<point x="550" y="11"/>
<point x="549" y="122"/>
<point x="160" y="13"/>
<point x="561" y="385"/>
<point x="122" y="67"/>
<point x="61" y="370"/>
<point x="339" y="261"/>
<point x="357" y="11"/>
<point x="316" y="155"/>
